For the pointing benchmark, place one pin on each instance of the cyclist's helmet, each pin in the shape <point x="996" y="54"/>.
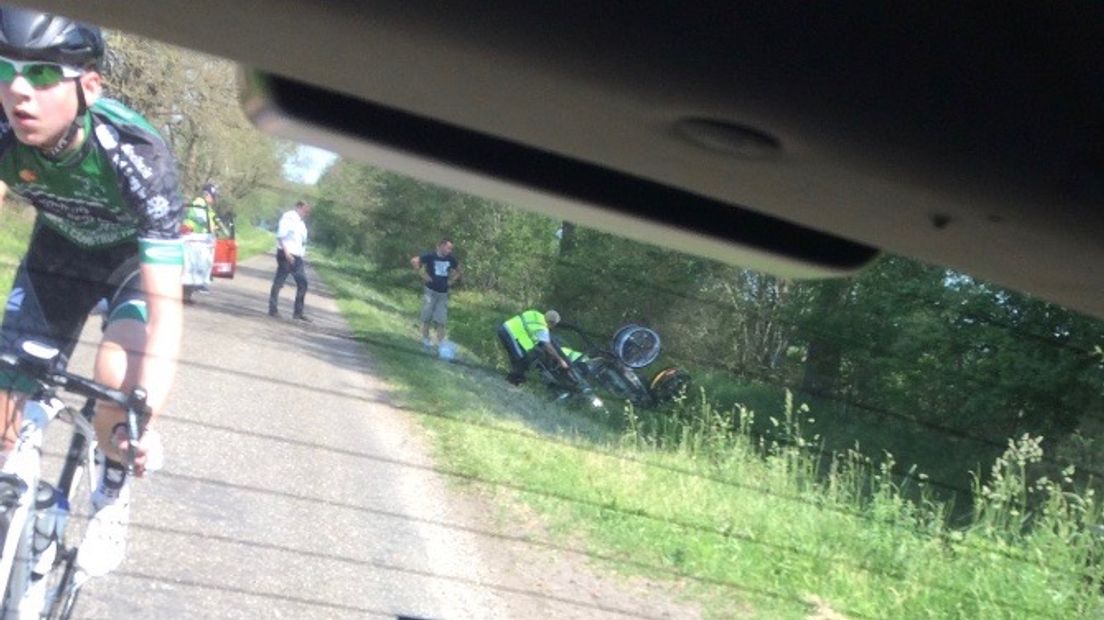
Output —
<point x="33" y="35"/>
<point x="552" y="317"/>
<point x="211" y="189"/>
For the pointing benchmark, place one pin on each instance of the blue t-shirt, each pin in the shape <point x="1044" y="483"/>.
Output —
<point x="438" y="269"/>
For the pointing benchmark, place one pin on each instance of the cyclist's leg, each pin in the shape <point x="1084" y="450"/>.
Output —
<point x="119" y="356"/>
<point x="49" y="301"/>
<point x="117" y="363"/>
<point x="22" y="315"/>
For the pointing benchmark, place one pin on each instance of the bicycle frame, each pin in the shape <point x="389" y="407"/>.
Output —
<point x="16" y="568"/>
<point x="21" y="475"/>
<point x="82" y="451"/>
<point x="22" y="469"/>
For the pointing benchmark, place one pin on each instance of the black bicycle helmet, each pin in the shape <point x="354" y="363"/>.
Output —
<point x="212" y="189"/>
<point x="33" y="35"/>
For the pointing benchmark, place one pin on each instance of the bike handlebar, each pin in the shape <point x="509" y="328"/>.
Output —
<point x="45" y="372"/>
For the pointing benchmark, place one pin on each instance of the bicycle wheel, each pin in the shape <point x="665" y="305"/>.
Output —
<point x="670" y="383"/>
<point x="19" y="579"/>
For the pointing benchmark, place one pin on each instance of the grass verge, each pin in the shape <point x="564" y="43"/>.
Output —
<point x="16" y="222"/>
<point x="253" y="241"/>
<point x="747" y="527"/>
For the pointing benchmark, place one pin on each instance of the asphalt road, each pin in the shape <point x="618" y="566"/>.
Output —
<point x="292" y="489"/>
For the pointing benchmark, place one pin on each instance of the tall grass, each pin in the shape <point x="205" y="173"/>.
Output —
<point x="749" y="524"/>
<point x="1033" y="547"/>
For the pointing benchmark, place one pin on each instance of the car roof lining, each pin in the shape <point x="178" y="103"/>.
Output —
<point x="948" y="133"/>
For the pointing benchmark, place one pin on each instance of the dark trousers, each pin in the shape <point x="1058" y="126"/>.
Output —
<point x="298" y="271"/>
<point x="519" y="360"/>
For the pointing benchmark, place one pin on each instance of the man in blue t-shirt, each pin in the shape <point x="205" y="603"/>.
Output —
<point x="438" y="270"/>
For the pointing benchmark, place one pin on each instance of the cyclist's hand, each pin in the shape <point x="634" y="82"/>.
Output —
<point x="564" y="364"/>
<point x="150" y="455"/>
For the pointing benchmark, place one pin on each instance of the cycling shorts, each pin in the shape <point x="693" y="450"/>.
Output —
<point x="57" y="286"/>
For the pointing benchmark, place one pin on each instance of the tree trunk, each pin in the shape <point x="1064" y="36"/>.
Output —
<point x="567" y="239"/>
<point x="823" y="357"/>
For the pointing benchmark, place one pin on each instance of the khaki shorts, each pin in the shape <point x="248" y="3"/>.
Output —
<point x="434" y="307"/>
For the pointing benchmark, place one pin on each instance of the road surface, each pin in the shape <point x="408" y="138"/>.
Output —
<point x="293" y="490"/>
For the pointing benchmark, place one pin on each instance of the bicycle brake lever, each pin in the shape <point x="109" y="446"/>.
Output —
<point x="137" y="416"/>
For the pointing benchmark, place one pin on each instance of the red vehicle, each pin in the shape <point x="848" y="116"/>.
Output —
<point x="226" y="257"/>
<point x="226" y="251"/>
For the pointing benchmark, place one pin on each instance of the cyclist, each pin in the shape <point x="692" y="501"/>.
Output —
<point x="525" y="336"/>
<point x="108" y="225"/>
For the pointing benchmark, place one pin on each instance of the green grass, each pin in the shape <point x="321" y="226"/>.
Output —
<point x="746" y="527"/>
<point x="16" y="222"/>
<point x="840" y="427"/>
<point x="253" y="241"/>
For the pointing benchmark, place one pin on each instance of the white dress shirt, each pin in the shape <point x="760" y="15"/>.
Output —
<point x="291" y="232"/>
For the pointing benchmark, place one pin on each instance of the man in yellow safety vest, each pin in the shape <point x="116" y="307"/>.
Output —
<point x="525" y="336"/>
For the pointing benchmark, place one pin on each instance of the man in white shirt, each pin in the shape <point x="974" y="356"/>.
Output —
<point x="291" y="243"/>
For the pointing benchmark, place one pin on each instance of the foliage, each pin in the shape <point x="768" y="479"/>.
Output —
<point x="389" y="219"/>
<point x="744" y="522"/>
<point x="16" y="219"/>
<point x="192" y="99"/>
<point x="253" y="241"/>
<point x="929" y="363"/>
<point x="263" y="206"/>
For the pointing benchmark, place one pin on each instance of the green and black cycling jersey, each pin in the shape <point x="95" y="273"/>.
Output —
<point x="119" y="187"/>
<point x="103" y="210"/>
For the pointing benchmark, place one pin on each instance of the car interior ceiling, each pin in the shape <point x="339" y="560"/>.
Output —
<point x="797" y="139"/>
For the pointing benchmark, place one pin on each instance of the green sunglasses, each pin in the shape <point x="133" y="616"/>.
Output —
<point x="39" y="74"/>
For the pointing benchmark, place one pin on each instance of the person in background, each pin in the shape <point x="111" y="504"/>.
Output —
<point x="199" y="217"/>
<point x="198" y="228"/>
<point x="438" y="269"/>
<point x="291" y="244"/>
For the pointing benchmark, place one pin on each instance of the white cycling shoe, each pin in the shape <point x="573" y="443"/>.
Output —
<point x="104" y="544"/>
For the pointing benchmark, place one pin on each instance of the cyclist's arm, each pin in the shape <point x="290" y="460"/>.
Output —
<point x="147" y="176"/>
<point x="163" y="331"/>
<point x="418" y="265"/>
<point x="545" y="339"/>
<point x="555" y="354"/>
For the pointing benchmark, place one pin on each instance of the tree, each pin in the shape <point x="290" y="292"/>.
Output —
<point x="192" y="99"/>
